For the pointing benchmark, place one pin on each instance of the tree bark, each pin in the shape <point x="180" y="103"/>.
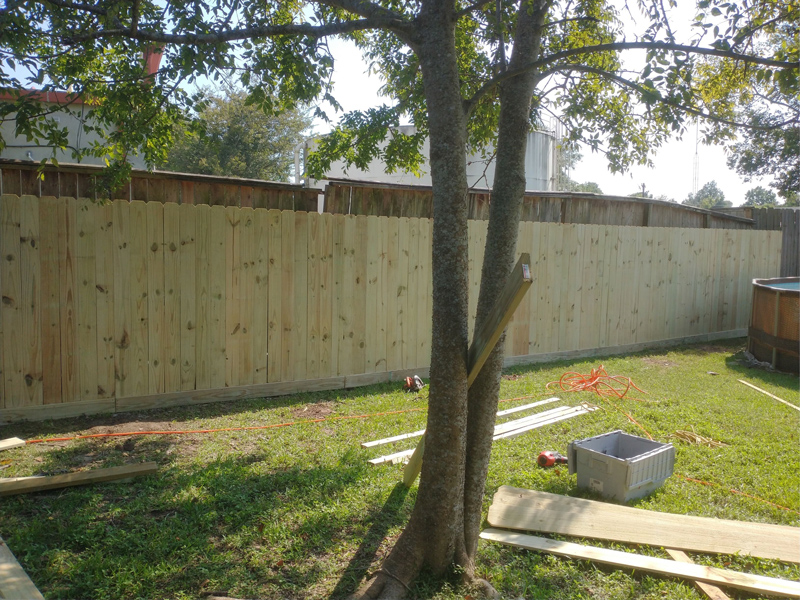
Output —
<point x="508" y="191"/>
<point x="444" y="526"/>
<point x="435" y="529"/>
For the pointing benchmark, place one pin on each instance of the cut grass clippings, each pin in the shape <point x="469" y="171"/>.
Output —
<point x="297" y="512"/>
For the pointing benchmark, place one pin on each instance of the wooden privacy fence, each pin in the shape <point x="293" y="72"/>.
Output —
<point x="65" y="181"/>
<point x="135" y="305"/>
<point x="386" y="200"/>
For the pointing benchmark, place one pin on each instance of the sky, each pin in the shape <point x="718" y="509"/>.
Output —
<point x="672" y="174"/>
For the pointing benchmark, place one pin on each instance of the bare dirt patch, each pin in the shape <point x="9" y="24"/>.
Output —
<point x="318" y="410"/>
<point x="659" y="362"/>
<point x="128" y="427"/>
<point x="713" y="349"/>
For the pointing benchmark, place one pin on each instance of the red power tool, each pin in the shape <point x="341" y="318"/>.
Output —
<point x="548" y="459"/>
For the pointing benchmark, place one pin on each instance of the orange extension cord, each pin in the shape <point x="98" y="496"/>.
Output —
<point x="394" y="412"/>
<point x="598" y="381"/>
<point x="251" y="428"/>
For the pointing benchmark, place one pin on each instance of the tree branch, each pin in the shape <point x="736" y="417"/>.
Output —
<point x="559" y="56"/>
<point x="76" y="6"/>
<point x="471" y="8"/>
<point x="621" y="81"/>
<point x="265" y="31"/>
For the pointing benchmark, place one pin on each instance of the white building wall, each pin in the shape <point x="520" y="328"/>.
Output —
<point x="540" y="166"/>
<point x="19" y="148"/>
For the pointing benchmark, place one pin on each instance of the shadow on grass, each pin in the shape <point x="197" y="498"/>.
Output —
<point x="153" y="417"/>
<point x="388" y="516"/>
<point x="239" y="522"/>
<point x="754" y="375"/>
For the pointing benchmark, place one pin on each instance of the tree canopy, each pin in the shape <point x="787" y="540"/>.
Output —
<point x="227" y="136"/>
<point x="708" y="196"/>
<point x="760" y="196"/>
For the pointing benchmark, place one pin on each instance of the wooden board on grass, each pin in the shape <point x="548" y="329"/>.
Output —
<point x="14" y="582"/>
<point x="744" y="581"/>
<point x="712" y="591"/>
<point x="528" y="510"/>
<point x="10" y="443"/>
<point x="25" y="485"/>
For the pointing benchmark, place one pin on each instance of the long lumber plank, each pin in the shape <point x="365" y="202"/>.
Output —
<point x="14" y="582"/>
<point x="526" y="423"/>
<point x="528" y="510"/>
<point x="744" y="581"/>
<point x="405" y="436"/>
<point x="511" y="411"/>
<point x="773" y="396"/>
<point x="25" y="485"/>
<point x="569" y="414"/>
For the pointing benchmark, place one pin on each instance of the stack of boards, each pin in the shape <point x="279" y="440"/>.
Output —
<point x="527" y="510"/>
<point x="501" y="431"/>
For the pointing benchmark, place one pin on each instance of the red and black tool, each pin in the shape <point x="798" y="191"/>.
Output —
<point x="548" y="459"/>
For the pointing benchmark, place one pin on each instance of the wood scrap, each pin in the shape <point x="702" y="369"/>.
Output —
<point x="712" y="591"/>
<point x="10" y="443"/>
<point x="528" y="510"/>
<point x="757" y="584"/>
<point x="692" y="437"/>
<point x="14" y="582"/>
<point x="773" y="396"/>
<point x="25" y="485"/>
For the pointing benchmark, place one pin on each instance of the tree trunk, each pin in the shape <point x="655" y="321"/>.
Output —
<point x="508" y="191"/>
<point x="444" y="525"/>
<point x="435" y="528"/>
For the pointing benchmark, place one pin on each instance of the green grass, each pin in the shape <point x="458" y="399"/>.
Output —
<point x="297" y="512"/>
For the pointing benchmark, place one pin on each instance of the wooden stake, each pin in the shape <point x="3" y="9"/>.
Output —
<point x="484" y="341"/>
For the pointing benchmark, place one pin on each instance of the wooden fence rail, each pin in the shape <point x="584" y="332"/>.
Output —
<point x="387" y="200"/>
<point x="133" y="305"/>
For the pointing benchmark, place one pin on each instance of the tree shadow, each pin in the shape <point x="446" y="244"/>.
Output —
<point x="167" y="415"/>
<point x="389" y="515"/>
<point x="756" y="375"/>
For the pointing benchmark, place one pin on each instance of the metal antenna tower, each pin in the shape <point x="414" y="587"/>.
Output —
<point x="696" y="174"/>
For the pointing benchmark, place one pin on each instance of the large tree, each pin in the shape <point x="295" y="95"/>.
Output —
<point x="708" y="196"/>
<point x="227" y="136"/>
<point x="466" y="74"/>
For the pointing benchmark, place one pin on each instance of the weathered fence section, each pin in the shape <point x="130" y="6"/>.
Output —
<point x="790" y="249"/>
<point x="73" y="181"/>
<point x="386" y="200"/>
<point x="135" y="305"/>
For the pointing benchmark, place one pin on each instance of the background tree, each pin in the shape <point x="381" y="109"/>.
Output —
<point x="227" y="136"/>
<point x="709" y="196"/>
<point x="760" y="196"/>
<point x="466" y="75"/>
<point x="769" y="104"/>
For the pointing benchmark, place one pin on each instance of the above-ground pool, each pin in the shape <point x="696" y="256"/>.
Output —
<point x="774" y="334"/>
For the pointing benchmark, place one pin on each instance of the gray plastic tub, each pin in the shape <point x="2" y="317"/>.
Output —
<point x="620" y="466"/>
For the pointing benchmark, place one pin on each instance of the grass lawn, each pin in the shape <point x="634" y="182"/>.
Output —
<point x="298" y="512"/>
